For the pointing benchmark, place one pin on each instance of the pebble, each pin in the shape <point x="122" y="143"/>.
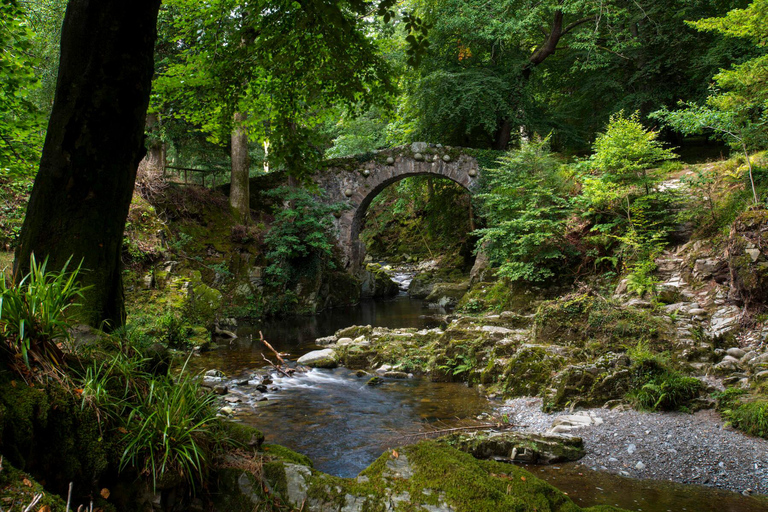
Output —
<point x="639" y="466"/>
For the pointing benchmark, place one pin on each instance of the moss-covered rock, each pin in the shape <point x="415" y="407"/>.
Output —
<point x="529" y="371"/>
<point x="19" y="489"/>
<point x="427" y="476"/>
<point x="591" y="322"/>
<point x="204" y="301"/>
<point x="519" y="446"/>
<point x="376" y="283"/>
<point x="45" y="432"/>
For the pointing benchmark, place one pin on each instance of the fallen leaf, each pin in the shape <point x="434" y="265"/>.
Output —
<point x="104" y="493"/>
<point x="395" y="455"/>
<point x="122" y="430"/>
<point x="13" y="383"/>
<point x="522" y="478"/>
<point x="27" y="482"/>
<point x="44" y="508"/>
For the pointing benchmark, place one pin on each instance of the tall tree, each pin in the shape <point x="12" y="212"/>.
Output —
<point x="92" y="149"/>
<point x="19" y="120"/>
<point x="239" y="193"/>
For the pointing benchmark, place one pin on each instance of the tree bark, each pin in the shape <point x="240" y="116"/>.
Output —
<point x="239" y="193"/>
<point x="93" y="147"/>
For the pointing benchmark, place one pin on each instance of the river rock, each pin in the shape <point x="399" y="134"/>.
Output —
<point x="493" y="329"/>
<point x="328" y="340"/>
<point x="396" y="375"/>
<point x="520" y="446"/>
<point x="705" y="268"/>
<point x="564" y="424"/>
<point x="325" y="358"/>
<point x="345" y="341"/>
<point x="297" y="479"/>
<point x="736" y="352"/>
<point x="220" y="389"/>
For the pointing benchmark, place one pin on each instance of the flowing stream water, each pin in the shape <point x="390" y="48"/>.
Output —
<point x="343" y="425"/>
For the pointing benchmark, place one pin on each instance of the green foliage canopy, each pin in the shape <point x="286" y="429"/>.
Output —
<point x="282" y="62"/>
<point x="20" y="120"/>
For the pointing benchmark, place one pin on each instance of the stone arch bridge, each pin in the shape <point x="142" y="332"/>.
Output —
<point x="357" y="180"/>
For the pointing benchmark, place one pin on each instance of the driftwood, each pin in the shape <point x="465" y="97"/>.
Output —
<point x="469" y="428"/>
<point x="37" y="498"/>
<point x="276" y="367"/>
<point x="69" y="496"/>
<point x="270" y="347"/>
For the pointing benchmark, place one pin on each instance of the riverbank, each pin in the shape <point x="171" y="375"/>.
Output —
<point x="687" y="448"/>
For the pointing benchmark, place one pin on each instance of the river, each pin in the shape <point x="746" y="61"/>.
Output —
<point x="343" y="425"/>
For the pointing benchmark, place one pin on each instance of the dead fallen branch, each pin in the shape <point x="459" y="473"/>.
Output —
<point x="469" y="428"/>
<point x="270" y="347"/>
<point x="277" y="368"/>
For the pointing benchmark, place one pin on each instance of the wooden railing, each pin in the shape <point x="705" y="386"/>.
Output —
<point x="202" y="172"/>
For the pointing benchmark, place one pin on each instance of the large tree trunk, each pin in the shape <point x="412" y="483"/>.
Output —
<point x="93" y="146"/>
<point x="239" y="193"/>
<point x="154" y="161"/>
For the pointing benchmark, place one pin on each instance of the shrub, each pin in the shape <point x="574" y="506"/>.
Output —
<point x="655" y="385"/>
<point x="33" y="312"/>
<point x="173" y="332"/>
<point x="300" y="239"/>
<point x="666" y="392"/>
<point x="626" y="151"/>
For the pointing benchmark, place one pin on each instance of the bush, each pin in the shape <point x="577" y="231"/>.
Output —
<point x="626" y="151"/>
<point x="300" y="239"/>
<point x="33" y="312"/>
<point x="666" y="392"/>
<point x="166" y="426"/>
<point x="748" y="416"/>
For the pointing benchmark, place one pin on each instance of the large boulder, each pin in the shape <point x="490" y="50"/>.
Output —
<point x="448" y="293"/>
<point x="746" y="261"/>
<point x="325" y="358"/>
<point x="377" y="283"/>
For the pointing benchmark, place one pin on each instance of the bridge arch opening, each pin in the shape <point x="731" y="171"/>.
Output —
<point x="415" y="216"/>
<point x="424" y="217"/>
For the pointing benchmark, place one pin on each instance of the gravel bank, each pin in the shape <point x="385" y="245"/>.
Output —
<point x="686" y="448"/>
